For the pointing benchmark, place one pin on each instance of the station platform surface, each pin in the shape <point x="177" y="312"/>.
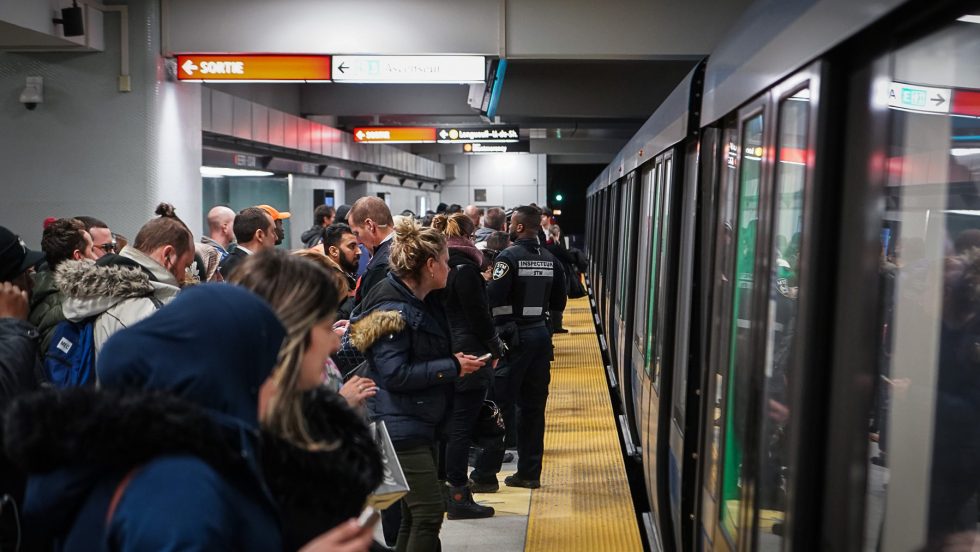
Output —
<point x="584" y="501"/>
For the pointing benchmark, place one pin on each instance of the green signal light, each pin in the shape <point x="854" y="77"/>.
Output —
<point x="559" y="197"/>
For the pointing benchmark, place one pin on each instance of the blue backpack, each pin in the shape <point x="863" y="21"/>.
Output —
<point x="70" y="358"/>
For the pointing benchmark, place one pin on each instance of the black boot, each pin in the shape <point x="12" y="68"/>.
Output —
<point x="462" y="506"/>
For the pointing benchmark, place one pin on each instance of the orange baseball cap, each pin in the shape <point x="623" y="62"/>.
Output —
<point x="276" y="215"/>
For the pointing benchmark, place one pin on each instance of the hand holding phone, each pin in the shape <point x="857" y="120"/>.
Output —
<point x="485" y="357"/>
<point x="369" y="516"/>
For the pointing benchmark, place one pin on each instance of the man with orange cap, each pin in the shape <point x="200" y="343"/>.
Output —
<point x="278" y="217"/>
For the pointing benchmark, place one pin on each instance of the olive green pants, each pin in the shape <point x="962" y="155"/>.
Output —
<point x="423" y="507"/>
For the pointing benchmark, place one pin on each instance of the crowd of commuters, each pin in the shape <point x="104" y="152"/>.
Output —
<point x="117" y="411"/>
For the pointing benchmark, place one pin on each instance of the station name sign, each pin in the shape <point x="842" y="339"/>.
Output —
<point x="514" y="147"/>
<point x="253" y="68"/>
<point x="409" y="69"/>
<point x="479" y="134"/>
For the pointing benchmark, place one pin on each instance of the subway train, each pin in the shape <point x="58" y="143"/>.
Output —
<point x="784" y="266"/>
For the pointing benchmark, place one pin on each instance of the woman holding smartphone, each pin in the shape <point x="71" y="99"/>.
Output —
<point x="405" y="336"/>
<point x="473" y="333"/>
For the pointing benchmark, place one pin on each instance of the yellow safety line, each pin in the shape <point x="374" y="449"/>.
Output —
<point x="584" y="501"/>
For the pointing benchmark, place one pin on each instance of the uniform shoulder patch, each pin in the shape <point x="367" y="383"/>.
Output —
<point x="500" y="270"/>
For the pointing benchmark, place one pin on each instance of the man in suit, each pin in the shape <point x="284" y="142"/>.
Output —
<point x="255" y="231"/>
<point x="373" y="226"/>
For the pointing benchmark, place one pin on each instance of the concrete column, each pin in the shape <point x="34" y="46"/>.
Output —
<point x="90" y="149"/>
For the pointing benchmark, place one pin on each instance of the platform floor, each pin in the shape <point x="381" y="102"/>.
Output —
<point x="584" y="500"/>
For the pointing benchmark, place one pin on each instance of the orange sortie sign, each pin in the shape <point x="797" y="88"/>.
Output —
<point x="394" y="134"/>
<point x="252" y="67"/>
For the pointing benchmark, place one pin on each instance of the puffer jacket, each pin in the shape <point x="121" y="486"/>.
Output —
<point x="116" y="289"/>
<point x="408" y="348"/>
<point x="46" y="313"/>
<point x="468" y="310"/>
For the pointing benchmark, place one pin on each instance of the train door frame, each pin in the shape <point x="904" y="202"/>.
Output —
<point x="612" y="272"/>
<point x="627" y="287"/>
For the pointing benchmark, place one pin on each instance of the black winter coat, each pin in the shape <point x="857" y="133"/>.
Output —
<point x="406" y="342"/>
<point x="468" y="310"/>
<point x="19" y="364"/>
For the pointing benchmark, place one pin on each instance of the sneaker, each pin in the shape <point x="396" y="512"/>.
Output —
<point x="483" y="487"/>
<point x="462" y="506"/>
<point x="514" y="481"/>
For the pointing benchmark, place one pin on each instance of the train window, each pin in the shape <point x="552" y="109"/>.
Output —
<point x="924" y="458"/>
<point x="662" y="317"/>
<point x="782" y="339"/>
<point x="740" y="355"/>
<point x="646" y="228"/>
<point x="651" y="321"/>
<point x="625" y="237"/>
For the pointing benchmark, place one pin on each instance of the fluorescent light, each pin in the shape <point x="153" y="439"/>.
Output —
<point x="214" y="172"/>
<point x="963" y="212"/>
<point x="970" y="19"/>
<point x="962" y="152"/>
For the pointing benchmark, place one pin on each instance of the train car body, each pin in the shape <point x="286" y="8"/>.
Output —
<point x="780" y="261"/>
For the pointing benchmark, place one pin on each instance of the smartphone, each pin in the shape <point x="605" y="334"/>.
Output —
<point x="485" y="357"/>
<point x="369" y="516"/>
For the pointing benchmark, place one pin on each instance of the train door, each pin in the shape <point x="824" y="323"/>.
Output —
<point x="612" y="266"/>
<point x="758" y="451"/>
<point x="906" y="400"/>
<point x="625" y="292"/>
<point x="602" y="220"/>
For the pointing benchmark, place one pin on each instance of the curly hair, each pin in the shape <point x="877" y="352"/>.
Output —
<point x="413" y="246"/>
<point x="61" y="239"/>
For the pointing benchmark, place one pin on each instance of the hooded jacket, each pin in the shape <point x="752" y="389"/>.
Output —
<point x="468" y="310"/>
<point x="312" y="236"/>
<point x="408" y="348"/>
<point x="46" y="299"/>
<point x="318" y="489"/>
<point x="116" y="290"/>
<point x="483" y="233"/>
<point x="172" y="432"/>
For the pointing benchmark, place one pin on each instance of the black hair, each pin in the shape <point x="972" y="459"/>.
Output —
<point x="248" y="221"/>
<point x="333" y="233"/>
<point x="322" y="212"/>
<point x="61" y="239"/>
<point x="92" y="222"/>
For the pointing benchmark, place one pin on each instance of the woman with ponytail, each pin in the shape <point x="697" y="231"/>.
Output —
<point x="405" y="336"/>
<point x="473" y="333"/>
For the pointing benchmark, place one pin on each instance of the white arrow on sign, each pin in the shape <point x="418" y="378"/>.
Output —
<point x="360" y="134"/>
<point x="189" y="67"/>
<point x="443" y="134"/>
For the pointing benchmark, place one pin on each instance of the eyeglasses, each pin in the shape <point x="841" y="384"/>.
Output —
<point x="107" y="247"/>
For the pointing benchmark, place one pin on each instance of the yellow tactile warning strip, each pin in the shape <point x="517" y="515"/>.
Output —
<point x="584" y="501"/>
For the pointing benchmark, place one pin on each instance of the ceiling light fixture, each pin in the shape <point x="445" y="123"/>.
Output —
<point x="217" y="172"/>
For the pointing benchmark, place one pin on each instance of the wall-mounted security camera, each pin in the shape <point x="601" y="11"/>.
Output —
<point x="33" y="93"/>
<point x="72" y="20"/>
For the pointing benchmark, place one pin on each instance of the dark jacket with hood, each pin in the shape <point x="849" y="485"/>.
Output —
<point x="318" y="490"/>
<point x="173" y="432"/>
<point x="312" y="236"/>
<point x="46" y="313"/>
<point x="468" y="310"/>
<point x="409" y="351"/>
<point x="375" y="272"/>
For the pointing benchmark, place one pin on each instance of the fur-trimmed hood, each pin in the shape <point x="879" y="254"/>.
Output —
<point x="93" y="288"/>
<point x="373" y="326"/>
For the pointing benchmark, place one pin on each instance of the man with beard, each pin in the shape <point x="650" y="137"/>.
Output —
<point x="340" y="246"/>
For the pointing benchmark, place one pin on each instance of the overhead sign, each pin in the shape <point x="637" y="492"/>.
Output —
<point x="390" y="135"/>
<point x="253" y="68"/>
<point x="913" y="97"/>
<point x="409" y="69"/>
<point x="515" y="147"/>
<point x="479" y="134"/>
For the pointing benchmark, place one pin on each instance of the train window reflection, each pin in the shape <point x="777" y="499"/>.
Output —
<point x="924" y="453"/>
<point x="782" y="339"/>
<point x="740" y="356"/>
<point x="651" y="322"/>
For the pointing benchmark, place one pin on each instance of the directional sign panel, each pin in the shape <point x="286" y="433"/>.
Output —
<point x="913" y="97"/>
<point x="515" y="147"/>
<point x="479" y="134"/>
<point x="253" y="67"/>
<point x="394" y="135"/>
<point x="409" y="69"/>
